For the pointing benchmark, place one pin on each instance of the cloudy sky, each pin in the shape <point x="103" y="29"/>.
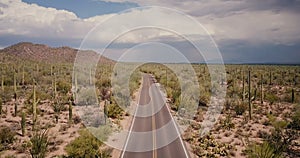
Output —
<point x="245" y="31"/>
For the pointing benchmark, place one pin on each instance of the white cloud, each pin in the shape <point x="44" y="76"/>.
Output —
<point x="237" y="19"/>
<point x="259" y="26"/>
<point x="271" y="21"/>
<point x="19" y="18"/>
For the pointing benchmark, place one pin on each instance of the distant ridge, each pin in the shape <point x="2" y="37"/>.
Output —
<point x="42" y="53"/>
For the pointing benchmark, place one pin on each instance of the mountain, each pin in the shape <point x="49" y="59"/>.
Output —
<point x="42" y="53"/>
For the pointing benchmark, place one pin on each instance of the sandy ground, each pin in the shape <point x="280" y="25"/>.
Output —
<point x="59" y="134"/>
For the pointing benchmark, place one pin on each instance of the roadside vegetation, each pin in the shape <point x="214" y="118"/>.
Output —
<point x="38" y="117"/>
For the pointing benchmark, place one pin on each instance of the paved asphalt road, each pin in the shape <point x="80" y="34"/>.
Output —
<point x="153" y="117"/>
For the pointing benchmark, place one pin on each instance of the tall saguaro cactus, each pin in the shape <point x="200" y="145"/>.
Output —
<point x="54" y="86"/>
<point x="293" y="95"/>
<point x="249" y="93"/>
<point x="23" y="76"/>
<point x="0" y="106"/>
<point x="23" y="124"/>
<point x="2" y="81"/>
<point x="15" y="94"/>
<point x="51" y="70"/>
<point x="34" y="105"/>
<point x="233" y="85"/>
<point x="295" y="78"/>
<point x="243" y="78"/>
<point x="105" y="111"/>
<point x="166" y="77"/>
<point x="270" y="77"/>
<point x="91" y="78"/>
<point x="37" y="68"/>
<point x="70" y="112"/>
<point x="261" y="89"/>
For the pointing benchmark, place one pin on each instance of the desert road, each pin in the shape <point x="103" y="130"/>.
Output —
<point x="161" y="138"/>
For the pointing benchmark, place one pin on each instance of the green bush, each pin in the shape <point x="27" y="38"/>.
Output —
<point x="39" y="144"/>
<point x="86" y="145"/>
<point x="227" y="123"/>
<point x="114" y="111"/>
<point x="7" y="136"/>
<point x="272" y="98"/>
<point x="281" y="139"/>
<point x="63" y="86"/>
<point x="263" y="150"/>
<point x="240" y="108"/>
<point x="295" y="124"/>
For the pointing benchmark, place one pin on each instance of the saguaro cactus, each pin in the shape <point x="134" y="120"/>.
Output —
<point x="270" y="77"/>
<point x="34" y="105"/>
<point x="23" y="123"/>
<point x="15" y="95"/>
<point x="70" y="112"/>
<point x="233" y="85"/>
<point x="57" y="108"/>
<point x="2" y="81"/>
<point x="74" y="91"/>
<point x="261" y="89"/>
<point x="293" y="95"/>
<point x="166" y="77"/>
<point x="54" y="86"/>
<point x="23" y="76"/>
<point x="105" y="111"/>
<point x="243" y="93"/>
<point x="37" y="68"/>
<point x="249" y="93"/>
<point x="91" y="78"/>
<point x="0" y="106"/>
<point x="51" y="70"/>
<point x="295" y="78"/>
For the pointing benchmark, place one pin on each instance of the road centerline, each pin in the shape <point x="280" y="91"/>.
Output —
<point x="153" y="125"/>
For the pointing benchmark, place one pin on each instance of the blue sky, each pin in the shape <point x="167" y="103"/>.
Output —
<point x="85" y="8"/>
<point x="245" y="31"/>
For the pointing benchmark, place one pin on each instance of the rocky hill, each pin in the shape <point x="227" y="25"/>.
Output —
<point x="41" y="53"/>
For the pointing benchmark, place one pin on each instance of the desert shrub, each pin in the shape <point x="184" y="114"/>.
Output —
<point x="23" y="147"/>
<point x="207" y="146"/>
<point x="76" y="119"/>
<point x="204" y="98"/>
<point x="103" y="82"/>
<point x="263" y="150"/>
<point x="227" y="123"/>
<point x="227" y="104"/>
<point x="86" y="145"/>
<point x="240" y="108"/>
<point x="281" y="139"/>
<point x="272" y="98"/>
<point x="114" y="111"/>
<point x="63" y="86"/>
<point x="7" y="136"/>
<point x="134" y="82"/>
<point x="39" y="144"/>
<point x="295" y="124"/>
<point x="102" y="132"/>
<point x="86" y="97"/>
<point x="8" y="95"/>
<point x="10" y="156"/>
